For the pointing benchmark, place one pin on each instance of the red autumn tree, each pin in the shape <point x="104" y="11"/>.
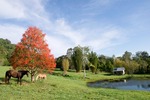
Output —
<point x="32" y="53"/>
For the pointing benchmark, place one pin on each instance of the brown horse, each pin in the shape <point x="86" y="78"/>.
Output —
<point x="16" y="74"/>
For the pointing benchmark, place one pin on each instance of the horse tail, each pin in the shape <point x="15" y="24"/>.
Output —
<point x="5" y="77"/>
<point x="37" y="77"/>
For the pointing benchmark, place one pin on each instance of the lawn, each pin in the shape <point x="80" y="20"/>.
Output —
<point x="73" y="87"/>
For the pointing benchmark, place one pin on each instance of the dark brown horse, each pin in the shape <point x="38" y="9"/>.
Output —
<point x="16" y="74"/>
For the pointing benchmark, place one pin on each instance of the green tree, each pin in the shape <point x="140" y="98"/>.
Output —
<point x="6" y="48"/>
<point x="59" y="62"/>
<point x="85" y="61"/>
<point x="143" y="59"/>
<point x="134" y="67"/>
<point x="77" y="58"/>
<point x="106" y="63"/>
<point x="118" y="62"/>
<point x="127" y="59"/>
<point x="69" y="55"/>
<point x="65" y="64"/>
<point x="93" y="58"/>
<point x="102" y="62"/>
<point x="127" y="56"/>
<point x="109" y="65"/>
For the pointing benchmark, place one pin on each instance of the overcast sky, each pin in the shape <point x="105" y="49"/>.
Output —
<point x="108" y="27"/>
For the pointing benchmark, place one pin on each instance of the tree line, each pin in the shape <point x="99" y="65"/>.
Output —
<point x="6" y="48"/>
<point x="82" y="58"/>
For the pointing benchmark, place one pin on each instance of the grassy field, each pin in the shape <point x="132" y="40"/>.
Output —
<point x="57" y="87"/>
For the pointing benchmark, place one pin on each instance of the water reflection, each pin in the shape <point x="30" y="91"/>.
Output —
<point x="131" y="84"/>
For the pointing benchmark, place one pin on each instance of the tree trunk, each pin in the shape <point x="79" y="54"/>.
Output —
<point x="65" y="73"/>
<point x="84" y="73"/>
<point x="32" y="76"/>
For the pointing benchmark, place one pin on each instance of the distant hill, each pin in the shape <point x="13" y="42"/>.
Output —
<point x="6" y="48"/>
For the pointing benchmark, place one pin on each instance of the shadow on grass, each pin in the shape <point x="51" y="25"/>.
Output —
<point x="57" y="74"/>
<point x="2" y="81"/>
<point x="108" y="74"/>
<point x="60" y="74"/>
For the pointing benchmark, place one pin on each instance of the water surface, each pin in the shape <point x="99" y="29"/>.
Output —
<point x="125" y="84"/>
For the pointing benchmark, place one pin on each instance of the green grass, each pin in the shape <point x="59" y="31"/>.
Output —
<point x="73" y="87"/>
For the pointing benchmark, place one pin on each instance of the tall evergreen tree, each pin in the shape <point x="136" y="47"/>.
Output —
<point x="77" y="58"/>
<point x="65" y="64"/>
<point x="93" y="58"/>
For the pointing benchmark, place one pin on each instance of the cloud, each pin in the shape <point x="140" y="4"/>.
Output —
<point x="105" y="39"/>
<point x="11" y="32"/>
<point x="60" y="33"/>
<point x="63" y="28"/>
<point x="11" y="9"/>
<point x="94" y="7"/>
<point x="57" y="45"/>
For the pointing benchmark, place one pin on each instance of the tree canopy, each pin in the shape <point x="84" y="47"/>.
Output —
<point x="32" y="53"/>
<point x="6" y="48"/>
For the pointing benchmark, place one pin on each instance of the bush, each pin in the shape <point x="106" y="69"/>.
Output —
<point x="6" y="63"/>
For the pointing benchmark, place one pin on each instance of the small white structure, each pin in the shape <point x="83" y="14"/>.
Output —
<point x="119" y="71"/>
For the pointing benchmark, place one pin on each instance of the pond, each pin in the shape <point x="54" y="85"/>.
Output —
<point x="125" y="84"/>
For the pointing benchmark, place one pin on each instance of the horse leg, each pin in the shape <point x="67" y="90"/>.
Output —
<point x="40" y="78"/>
<point x="8" y="79"/>
<point x="20" y="81"/>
